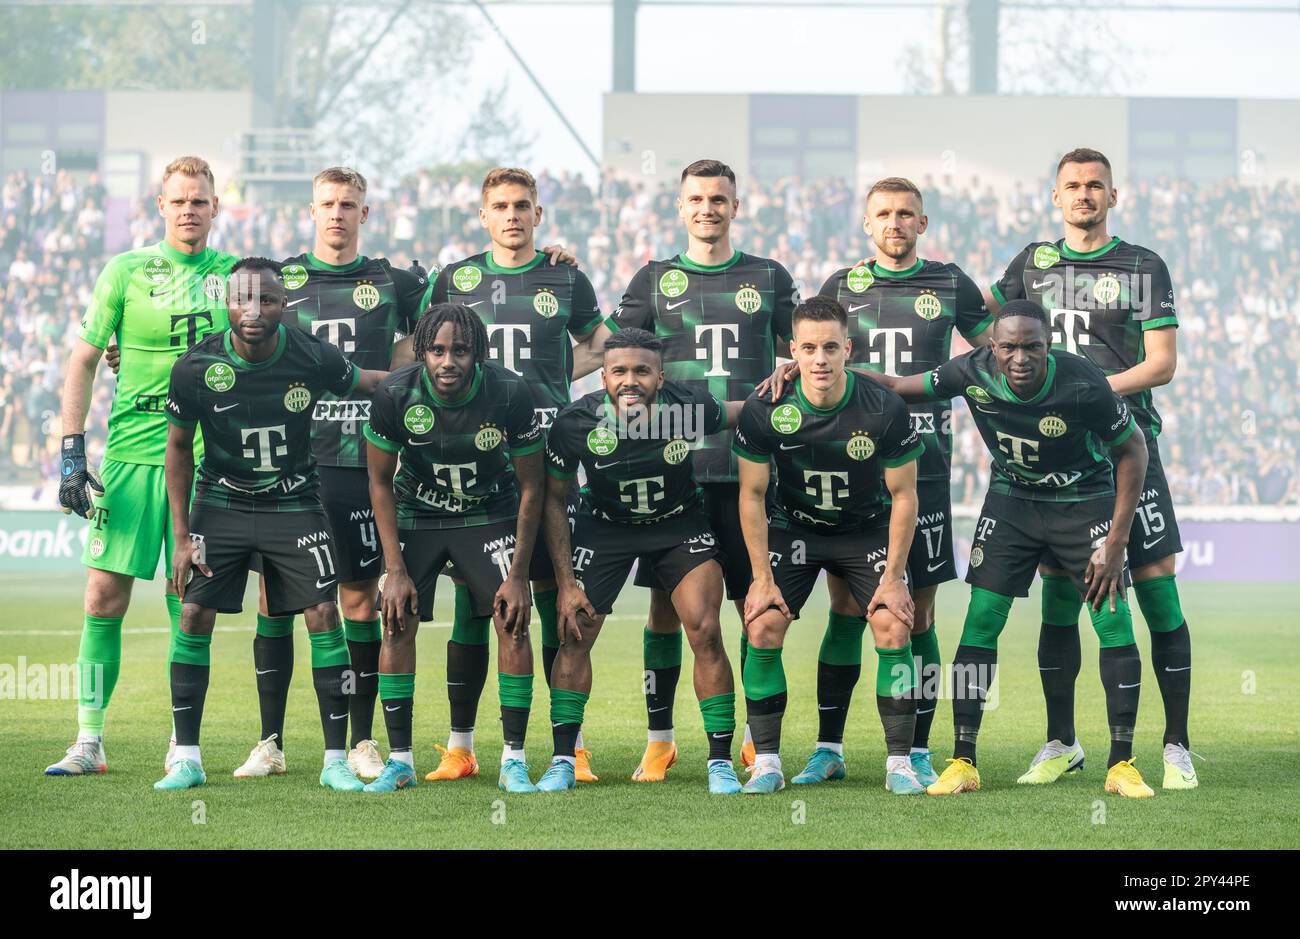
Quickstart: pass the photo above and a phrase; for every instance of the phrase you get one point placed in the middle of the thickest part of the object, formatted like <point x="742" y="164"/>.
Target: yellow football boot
<point x="1124" y="779"/>
<point x="457" y="763"/>
<point x="659" y="758"/>
<point x="960" y="776"/>
<point x="582" y="766"/>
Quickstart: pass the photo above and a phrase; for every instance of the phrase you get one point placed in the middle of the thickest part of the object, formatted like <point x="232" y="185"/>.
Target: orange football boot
<point x="457" y="763"/>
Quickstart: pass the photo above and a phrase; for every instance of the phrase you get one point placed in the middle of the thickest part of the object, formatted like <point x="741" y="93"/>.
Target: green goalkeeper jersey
<point x="158" y="303"/>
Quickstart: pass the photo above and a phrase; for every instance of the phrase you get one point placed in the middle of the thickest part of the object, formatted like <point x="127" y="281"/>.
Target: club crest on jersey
<point x="602" y="441"/>
<point x="976" y="556"/>
<point x="676" y="451"/>
<point x="96" y="547"/>
<point x="786" y="419"/>
<point x="927" y="306"/>
<point x="1045" y="256"/>
<point x="860" y="278"/>
<point x="546" y="303"/>
<point x="979" y="394"/>
<point x="297" y="399"/>
<point x="859" y="446"/>
<point x="418" y="419"/>
<point x="366" y="295"/>
<point x="466" y="278"/>
<point x="1052" y="426"/>
<point x="673" y="283"/>
<point x="489" y="437"/>
<point x="748" y="299"/>
<point x="158" y="270"/>
<point x="293" y="275"/>
<point x="1106" y="290"/>
<point x="219" y="377"/>
<point x="214" y="288"/>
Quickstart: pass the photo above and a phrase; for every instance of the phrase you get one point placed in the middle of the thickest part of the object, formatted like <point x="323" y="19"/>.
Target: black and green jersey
<point x="256" y="418"/>
<point x="637" y="468"/>
<point x="1048" y="448"/>
<point x="830" y="462"/>
<point x="362" y="308"/>
<point x="1100" y="303"/>
<point x="530" y="312"/>
<point x="157" y="303"/>
<point x="722" y="327"/>
<point x="455" y="455"/>
<point x="901" y="323"/>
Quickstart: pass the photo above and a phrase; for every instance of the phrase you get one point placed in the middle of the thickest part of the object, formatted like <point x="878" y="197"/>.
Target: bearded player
<point x="156" y="302"/>
<point x="721" y="315"/>
<point x="1112" y="302"/>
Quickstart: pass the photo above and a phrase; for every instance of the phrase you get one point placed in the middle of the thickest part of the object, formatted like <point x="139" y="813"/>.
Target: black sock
<point x="565" y="737"/>
<point x="973" y="669"/>
<point x="333" y="704"/>
<point x="397" y="720"/>
<point x="660" y="692"/>
<point x="898" y="717"/>
<point x="1171" y="656"/>
<point x="928" y="682"/>
<point x="835" y="685"/>
<point x="720" y="745"/>
<point x="467" y="668"/>
<point x="1121" y="677"/>
<point x="1058" y="669"/>
<point x="361" y="703"/>
<point x="189" y="691"/>
<point x="273" y="663"/>
<point x="548" y="661"/>
<point x="514" y="726"/>
<point x="765" y="722"/>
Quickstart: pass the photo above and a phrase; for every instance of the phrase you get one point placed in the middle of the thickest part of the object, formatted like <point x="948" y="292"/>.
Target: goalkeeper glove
<point x="76" y="480"/>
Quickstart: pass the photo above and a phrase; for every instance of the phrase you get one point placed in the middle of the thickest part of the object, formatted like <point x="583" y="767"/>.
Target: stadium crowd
<point x="1231" y="422"/>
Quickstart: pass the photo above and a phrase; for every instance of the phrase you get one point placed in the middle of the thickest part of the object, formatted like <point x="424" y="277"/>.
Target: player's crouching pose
<point x="1045" y="417"/>
<point x="251" y="389"/>
<point x="834" y="437"/>
<point x="633" y="439"/>
<point x="468" y="493"/>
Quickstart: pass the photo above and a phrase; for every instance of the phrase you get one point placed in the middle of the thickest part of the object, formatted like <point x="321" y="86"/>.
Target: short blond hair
<point x="190" y="166"/>
<point x="510" y="174"/>
<point x="896" y="184"/>
<point x="344" y="175"/>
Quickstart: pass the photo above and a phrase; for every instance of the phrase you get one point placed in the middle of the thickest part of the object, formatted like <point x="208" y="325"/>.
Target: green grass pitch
<point x="1245" y="722"/>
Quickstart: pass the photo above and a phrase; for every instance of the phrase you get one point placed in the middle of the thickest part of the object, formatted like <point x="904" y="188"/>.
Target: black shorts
<point x="603" y="553"/>
<point x="482" y="555"/>
<point x="1014" y="535"/>
<point x="1154" y="535"/>
<point x="722" y="509"/>
<point x="297" y="558"/>
<point x="345" y="491"/>
<point x="799" y="554"/>
<point x="540" y="566"/>
<point x="931" y="560"/>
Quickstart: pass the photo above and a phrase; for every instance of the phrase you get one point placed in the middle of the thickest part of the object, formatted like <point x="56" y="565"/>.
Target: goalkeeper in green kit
<point x="157" y="302"/>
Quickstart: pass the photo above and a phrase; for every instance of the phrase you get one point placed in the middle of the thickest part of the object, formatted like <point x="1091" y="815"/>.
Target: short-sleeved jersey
<point x="722" y="328"/>
<point x="455" y="467"/>
<point x="1048" y="448"/>
<point x="901" y="323"/>
<point x="830" y="462"/>
<point x="256" y="418"/>
<point x="638" y="469"/>
<point x="362" y="308"/>
<point x="159" y="303"/>
<point x="1100" y="303"/>
<point x="530" y="312"/>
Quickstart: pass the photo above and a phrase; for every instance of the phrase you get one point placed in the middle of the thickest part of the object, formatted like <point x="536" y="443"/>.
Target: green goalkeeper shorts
<point x="131" y="522"/>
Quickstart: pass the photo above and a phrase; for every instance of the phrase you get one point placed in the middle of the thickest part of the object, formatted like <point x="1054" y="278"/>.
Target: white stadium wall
<point x="168" y="124"/>
<point x="654" y="136"/>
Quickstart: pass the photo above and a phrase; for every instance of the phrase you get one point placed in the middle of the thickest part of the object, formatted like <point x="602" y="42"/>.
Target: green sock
<point x="328" y="648"/>
<point x="98" y="662"/>
<point x="842" y="641"/>
<point x="274" y="627"/>
<point x="515" y="691"/>
<point x="895" y="672"/>
<point x="763" y="675"/>
<point x="193" y="650"/>
<point x="567" y="707"/>
<point x="174" y="619"/>
<point x="466" y="628"/>
<point x="394" y="687"/>
<point x="361" y="630"/>
<point x="719" y="713"/>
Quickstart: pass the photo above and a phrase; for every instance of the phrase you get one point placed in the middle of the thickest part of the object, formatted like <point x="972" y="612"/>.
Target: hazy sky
<point x="801" y="48"/>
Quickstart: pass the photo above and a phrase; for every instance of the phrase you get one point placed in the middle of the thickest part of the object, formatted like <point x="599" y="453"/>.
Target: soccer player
<point x="641" y="503"/>
<point x="902" y="311"/>
<point x="1112" y="302"/>
<point x="721" y="315"/>
<point x="530" y="309"/>
<point x="251" y="389"/>
<point x="1045" y="416"/>
<point x="838" y="442"/>
<point x="468" y="493"/>
<point x="157" y="302"/>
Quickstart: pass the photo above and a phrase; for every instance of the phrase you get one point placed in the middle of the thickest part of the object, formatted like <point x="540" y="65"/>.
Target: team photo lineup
<point x="349" y="431"/>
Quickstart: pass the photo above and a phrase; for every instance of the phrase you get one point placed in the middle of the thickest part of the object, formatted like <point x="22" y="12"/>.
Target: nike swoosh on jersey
<point x="296" y="302"/>
<point x="1038" y="284"/>
<point x="418" y="443"/>
<point x="472" y="305"/>
<point x="368" y="561"/>
<point x="218" y="408"/>
<point x="673" y="306"/>
<point x="696" y="550"/>
<point x="795" y="447"/>
<point x="1148" y="545"/>
<point x="860" y="306"/>
<point x="604" y="465"/>
<point x="934" y="567"/>
<point x="321" y="584"/>
<point x="984" y="410"/>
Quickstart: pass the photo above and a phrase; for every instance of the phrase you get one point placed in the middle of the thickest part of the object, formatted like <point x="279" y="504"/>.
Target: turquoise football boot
<point x="764" y="781"/>
<point x="722" y="779"/>
<point x="558" y="777"/>
<point x="396" y="775"/>
<point x="923" y="769"/>
<point x="338" y="775"/>
<point x="824" y="765"/>
<point x="184" y="774"/>
<point x="514" y="777"/>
